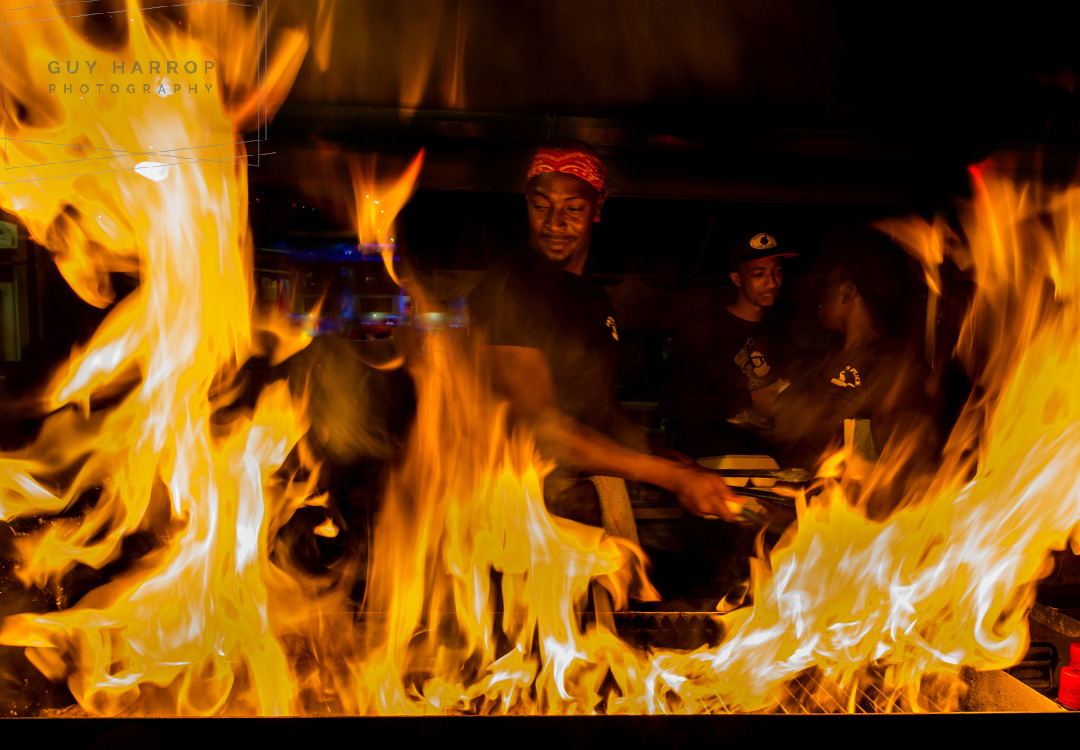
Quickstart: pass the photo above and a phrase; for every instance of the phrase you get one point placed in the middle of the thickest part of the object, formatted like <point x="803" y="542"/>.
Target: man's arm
<point x="625" y="432"/>
<point x="630" y="435"/>
<point x="521" y="374"/>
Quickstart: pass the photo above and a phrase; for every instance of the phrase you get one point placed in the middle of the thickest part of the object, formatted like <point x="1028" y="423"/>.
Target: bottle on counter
<point x="1069" y="689"/>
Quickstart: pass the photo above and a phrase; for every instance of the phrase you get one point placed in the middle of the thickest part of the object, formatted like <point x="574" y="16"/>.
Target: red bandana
<point x="577" y="163"/>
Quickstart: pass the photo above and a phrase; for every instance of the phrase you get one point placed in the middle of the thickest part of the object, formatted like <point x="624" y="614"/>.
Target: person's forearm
<point x="523" y="376"/>
<point x="586" y="449"/>
<point x="626" y="432"/>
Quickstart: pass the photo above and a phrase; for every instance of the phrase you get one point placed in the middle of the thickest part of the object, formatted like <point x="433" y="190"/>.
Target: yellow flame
<point x="467" y="502"/>
<point x="327" y="529"/>
<point x="184" y="629"/>
<point x="377" y="205"/>
<point x="948" y="580"/>
<point x="880" y="612"/>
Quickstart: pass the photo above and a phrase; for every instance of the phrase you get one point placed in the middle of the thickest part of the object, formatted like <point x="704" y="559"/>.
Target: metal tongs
<point x="780" y="475"/>
<point x="794" y="476"/>
<point x="773" y="497"/>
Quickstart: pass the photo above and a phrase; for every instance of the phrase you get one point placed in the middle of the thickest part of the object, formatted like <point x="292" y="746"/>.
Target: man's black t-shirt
<point x="718" y="361"/>
<point x="886" y="382"/>
<point x="526" y="300"/>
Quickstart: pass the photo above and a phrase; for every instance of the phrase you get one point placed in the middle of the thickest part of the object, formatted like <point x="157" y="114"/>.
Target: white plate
<point x="742" y="462"/>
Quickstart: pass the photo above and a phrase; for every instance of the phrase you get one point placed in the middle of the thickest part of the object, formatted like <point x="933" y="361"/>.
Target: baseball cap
<point x="755" y="246"/>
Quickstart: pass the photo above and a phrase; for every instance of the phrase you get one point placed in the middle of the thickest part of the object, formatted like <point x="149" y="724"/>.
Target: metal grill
<point x="814" y="693"/>
<point x="1038" y="667"/>
<point x="681" y="630"/>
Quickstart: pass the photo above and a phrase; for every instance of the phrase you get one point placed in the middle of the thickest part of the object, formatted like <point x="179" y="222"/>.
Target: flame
<point x="184" y="628"/>
<point x="465" y="504"/>
<point x="327" y="529"/>
<point x="377" y="205"/>
<point x="871" y="615"/>
<point x="947" y="581"/>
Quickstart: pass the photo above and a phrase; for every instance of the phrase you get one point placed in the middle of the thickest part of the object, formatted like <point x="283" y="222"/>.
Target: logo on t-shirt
<point x="614" y="330"/>
<point x="752" y="362"/>
<point x="848" y="378"/>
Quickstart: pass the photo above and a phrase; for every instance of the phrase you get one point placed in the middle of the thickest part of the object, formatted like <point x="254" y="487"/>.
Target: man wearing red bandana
<point x="553" y="342"/>
<point x="565" y="190"/>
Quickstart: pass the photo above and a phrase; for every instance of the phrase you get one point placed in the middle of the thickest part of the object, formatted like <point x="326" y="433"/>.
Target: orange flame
<point x="947" y="581"/>
<point x="467" y="502"/>
<point x="377" y="205"/>
<point x="158" y="189"/>
<point x="464" y="526"/>
<point x="944" y="582"/>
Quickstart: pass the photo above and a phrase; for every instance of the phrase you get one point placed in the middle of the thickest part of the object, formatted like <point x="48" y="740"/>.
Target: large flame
<point x="156" y="188"/>
<point x="875" y="615"/>
<point x="947" y="581"/>
<point x="476" y="595"/>
<point x="475" y="591"/>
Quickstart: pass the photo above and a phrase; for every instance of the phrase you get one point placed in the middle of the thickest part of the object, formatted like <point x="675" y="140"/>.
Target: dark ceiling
<point x="776" y="100"/>
<point x="943" y="68"/>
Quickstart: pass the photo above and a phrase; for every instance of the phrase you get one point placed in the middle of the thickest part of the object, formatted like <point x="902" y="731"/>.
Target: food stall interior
<point x="806" y="118"/>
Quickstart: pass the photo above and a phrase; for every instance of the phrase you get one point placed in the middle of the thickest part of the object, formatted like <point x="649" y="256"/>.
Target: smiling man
<point x="729" y="364"/>
<point x="552" y="341"/>
<point x="562" y="209"/>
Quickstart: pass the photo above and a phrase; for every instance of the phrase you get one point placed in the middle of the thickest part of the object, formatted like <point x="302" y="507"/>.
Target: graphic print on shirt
<point x="614" y="329"/>
<point x="848" y="378"/>
<point x="753" y="364"/>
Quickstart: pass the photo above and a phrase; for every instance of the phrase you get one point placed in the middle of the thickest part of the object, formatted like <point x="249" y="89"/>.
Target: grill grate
<point x="1037" y="668"/>
<point x="868" y="693"/>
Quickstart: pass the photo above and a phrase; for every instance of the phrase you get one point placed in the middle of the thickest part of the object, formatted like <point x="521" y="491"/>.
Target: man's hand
<point x="704" y="493"/>
<point x="521" y="374"/>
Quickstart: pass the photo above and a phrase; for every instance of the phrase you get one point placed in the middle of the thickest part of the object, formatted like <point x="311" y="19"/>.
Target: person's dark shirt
<point x="719" y="359"/>
<point x="887" y="383"/>
<point x="526" y="300"/>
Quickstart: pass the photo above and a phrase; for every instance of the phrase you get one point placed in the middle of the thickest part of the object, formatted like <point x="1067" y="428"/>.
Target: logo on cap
<point x="762" y="241"/>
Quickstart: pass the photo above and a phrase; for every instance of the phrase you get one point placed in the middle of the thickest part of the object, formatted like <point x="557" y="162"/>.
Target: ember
<point x="476" y="596"/>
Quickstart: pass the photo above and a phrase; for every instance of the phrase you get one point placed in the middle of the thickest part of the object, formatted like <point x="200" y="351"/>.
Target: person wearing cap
<point x="552" y="339"/>
<point x="730" y="362"/>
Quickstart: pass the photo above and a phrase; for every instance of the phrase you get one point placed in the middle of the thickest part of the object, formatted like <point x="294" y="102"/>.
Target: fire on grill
<point x="185" y="510"/>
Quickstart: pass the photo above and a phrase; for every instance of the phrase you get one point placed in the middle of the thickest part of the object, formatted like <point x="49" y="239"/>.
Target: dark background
<point x="800" y="117"/>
